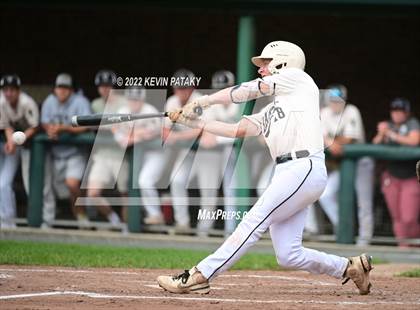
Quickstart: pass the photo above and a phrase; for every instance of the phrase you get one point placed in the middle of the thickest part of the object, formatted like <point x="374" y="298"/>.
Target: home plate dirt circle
<point x="62" y="288"/>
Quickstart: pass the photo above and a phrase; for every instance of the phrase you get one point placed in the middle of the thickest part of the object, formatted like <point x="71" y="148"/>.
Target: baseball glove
<point x="418" y="170"/>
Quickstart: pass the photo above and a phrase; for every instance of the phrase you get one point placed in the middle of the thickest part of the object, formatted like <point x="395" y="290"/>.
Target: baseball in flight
<point x="19" y="137"/>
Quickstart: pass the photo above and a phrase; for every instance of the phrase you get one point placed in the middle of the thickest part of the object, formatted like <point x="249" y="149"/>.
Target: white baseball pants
<point x="229" y="186"/>
<point x="8" y="166"/>
<point x="205" y="164"/>
<point x="151" y="171"/>
<point x="48" y="210"/>
<point x="282" y="208"/>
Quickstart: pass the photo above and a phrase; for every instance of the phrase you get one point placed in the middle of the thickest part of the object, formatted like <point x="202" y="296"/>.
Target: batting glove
<point x="195" y="108"/>
<point x="177" y="116"/>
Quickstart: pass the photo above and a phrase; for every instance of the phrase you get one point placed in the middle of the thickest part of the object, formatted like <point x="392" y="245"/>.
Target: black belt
<point x="286" y="157"/>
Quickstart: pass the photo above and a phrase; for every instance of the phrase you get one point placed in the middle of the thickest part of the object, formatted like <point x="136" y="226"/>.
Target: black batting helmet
<point x="105" y="78"/>
<point x="183" y="76"/>
<point x="10" y="80"/>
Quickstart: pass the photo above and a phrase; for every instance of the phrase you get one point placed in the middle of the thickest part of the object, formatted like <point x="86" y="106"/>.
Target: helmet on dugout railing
<point x="282" y="54"/>
<point x="222" y="79"/>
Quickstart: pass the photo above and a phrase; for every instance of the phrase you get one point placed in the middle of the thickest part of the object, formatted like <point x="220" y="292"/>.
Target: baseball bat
<point x="107" y="119"/>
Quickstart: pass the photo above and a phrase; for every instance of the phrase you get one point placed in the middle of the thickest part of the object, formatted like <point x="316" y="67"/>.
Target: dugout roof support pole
<point x="245" y="72"/>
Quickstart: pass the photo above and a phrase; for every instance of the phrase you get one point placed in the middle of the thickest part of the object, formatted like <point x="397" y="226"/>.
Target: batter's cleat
<point x="191" y="281"/>
<point x="358" y="270"/>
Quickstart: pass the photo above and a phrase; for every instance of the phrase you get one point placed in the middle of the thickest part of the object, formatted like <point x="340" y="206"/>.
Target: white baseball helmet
<point x="282" y="54"/>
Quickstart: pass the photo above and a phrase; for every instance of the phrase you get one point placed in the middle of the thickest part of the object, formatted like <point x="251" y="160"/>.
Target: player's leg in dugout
<point x="8" y="166"/>
<point x="179" y="181"/>
<point x="328" y="199"/>
<point x="409" y="205"/>
<point x="48" y="213"/>
<point x="150" y="173"/>
<point x="102" y="175"/>
<point x="229" y="186"/>
<point x="364" y="186"/>
<point x="206" y="163"/>
<point x="121" y="175"/>
<point x="294" y="186"/>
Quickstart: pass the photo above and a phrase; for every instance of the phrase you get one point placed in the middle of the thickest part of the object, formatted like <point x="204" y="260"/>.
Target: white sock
<point x="114" y="219"/>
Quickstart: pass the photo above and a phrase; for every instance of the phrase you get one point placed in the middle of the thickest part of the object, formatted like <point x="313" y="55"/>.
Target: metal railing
<point x="351" y="153"/>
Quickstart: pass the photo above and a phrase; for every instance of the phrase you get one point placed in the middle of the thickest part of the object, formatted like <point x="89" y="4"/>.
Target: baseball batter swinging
<point x="291" y="127"/>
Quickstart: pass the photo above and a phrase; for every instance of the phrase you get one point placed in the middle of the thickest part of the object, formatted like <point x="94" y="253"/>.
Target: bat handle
<point x="197" y="110"/>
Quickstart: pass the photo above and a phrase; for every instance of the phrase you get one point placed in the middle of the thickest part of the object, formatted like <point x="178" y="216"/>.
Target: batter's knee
<point x="290" y="258"/>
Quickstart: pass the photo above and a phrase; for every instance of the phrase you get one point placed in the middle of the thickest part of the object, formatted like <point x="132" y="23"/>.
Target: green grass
<point x="413" y="273"/>
<point x="75" y="255"/>
<point x="377" y="261"/>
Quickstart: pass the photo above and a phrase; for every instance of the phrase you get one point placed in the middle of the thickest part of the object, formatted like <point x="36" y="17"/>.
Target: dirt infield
<point x="69" y="288"/>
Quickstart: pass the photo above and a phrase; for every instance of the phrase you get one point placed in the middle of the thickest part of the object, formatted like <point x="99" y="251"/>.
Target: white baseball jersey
<point x="152" y="124"/>
<point x="346" y="124"/>
<point x="291" y="122"/>
<point x="26" y="114"/>
<point x="113" y="104"/>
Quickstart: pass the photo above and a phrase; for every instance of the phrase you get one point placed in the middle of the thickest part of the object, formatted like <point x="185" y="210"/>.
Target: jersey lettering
<point x="273" y="115"/>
